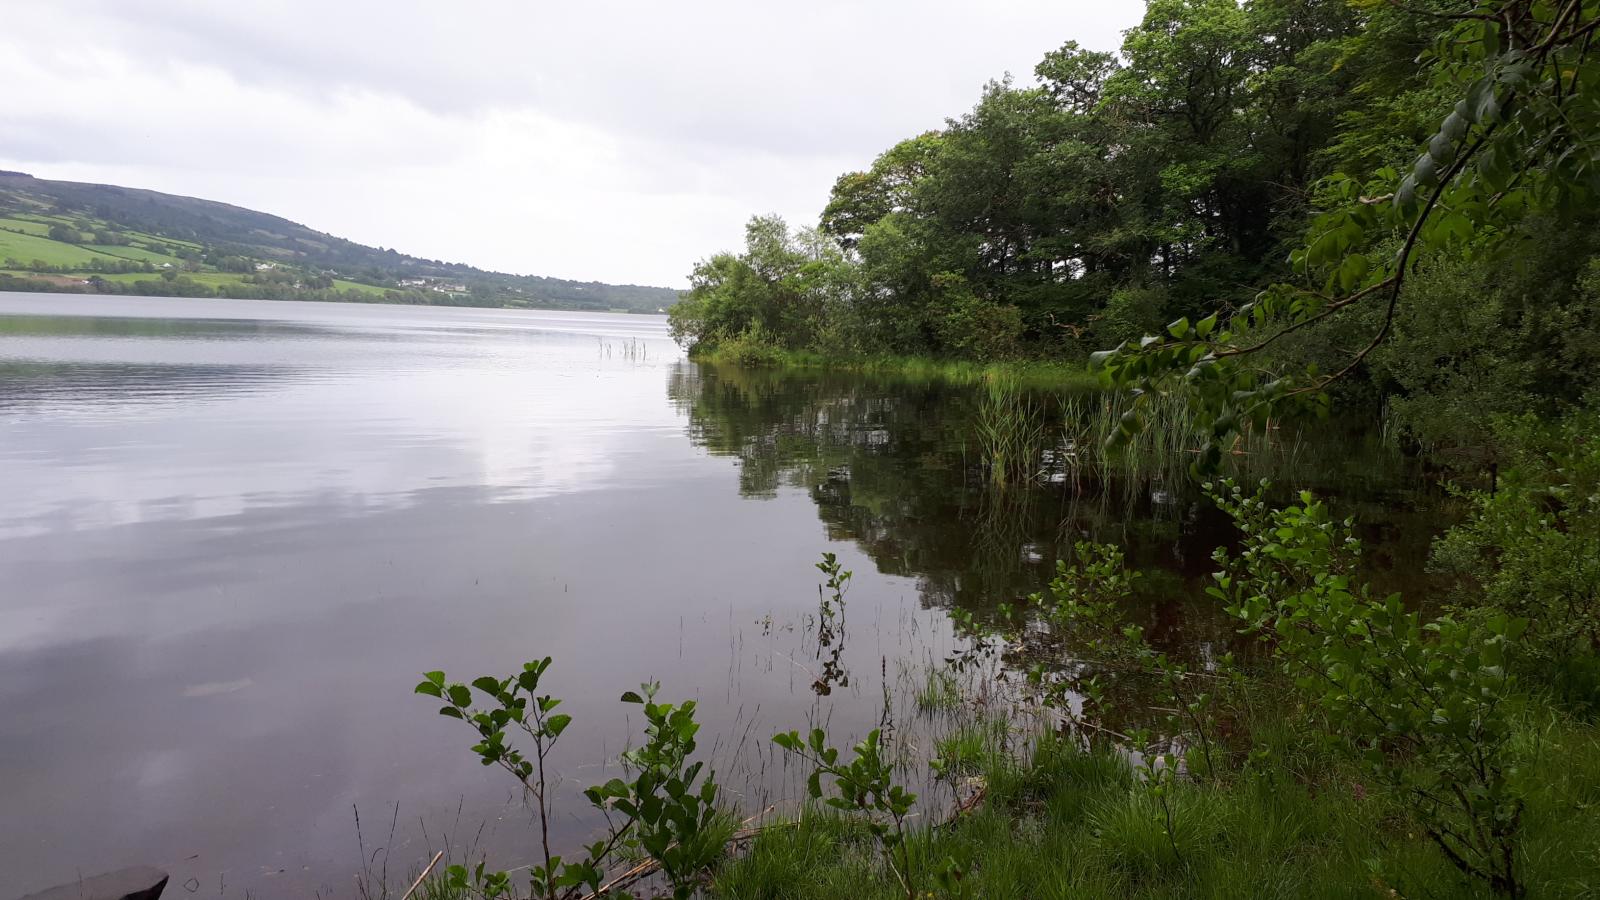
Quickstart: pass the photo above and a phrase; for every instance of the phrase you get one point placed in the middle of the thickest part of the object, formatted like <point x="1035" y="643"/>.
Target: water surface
<point x="234" y="533"/>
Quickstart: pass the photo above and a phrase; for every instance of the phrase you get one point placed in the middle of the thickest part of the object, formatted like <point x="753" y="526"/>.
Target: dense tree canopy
<point x="1231" y="157"/>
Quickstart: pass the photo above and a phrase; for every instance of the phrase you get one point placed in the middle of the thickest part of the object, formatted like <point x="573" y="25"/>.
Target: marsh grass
<point x="971" y="748"/>
<point x="1011" y="431"/>
<point x="1061" y="819"/>
<point x="939" y="692"/>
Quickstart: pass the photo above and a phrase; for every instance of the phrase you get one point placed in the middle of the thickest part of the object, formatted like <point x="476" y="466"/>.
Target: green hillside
<point x="72" y="236"/>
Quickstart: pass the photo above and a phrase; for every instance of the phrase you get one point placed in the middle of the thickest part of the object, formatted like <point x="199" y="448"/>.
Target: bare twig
<point x="420" y="878"/>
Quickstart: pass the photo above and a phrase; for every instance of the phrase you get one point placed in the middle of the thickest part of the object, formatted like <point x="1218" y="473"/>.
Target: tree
<point x="1522" y="137"/>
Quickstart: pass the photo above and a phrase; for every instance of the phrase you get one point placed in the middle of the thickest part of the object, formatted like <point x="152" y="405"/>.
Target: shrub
<point x="1425" y="702"/>
<point x="1531" y="549"/>
<point x="662" y="810"/>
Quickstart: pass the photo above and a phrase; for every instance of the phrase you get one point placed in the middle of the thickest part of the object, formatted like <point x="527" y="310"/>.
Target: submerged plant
<point x="830" y="625"/>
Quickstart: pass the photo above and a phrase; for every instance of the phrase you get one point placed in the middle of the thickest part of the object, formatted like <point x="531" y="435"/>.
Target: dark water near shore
<point x="233" y="533"/>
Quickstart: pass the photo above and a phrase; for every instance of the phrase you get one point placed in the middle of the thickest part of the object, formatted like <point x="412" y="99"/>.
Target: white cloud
<point x="612" y="140"/>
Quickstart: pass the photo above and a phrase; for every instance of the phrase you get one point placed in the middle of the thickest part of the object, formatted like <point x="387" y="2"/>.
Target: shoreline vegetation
<point x="1039" y="374"/>
<point x="1251" y="212"/>
<point x="1344" y="746"/>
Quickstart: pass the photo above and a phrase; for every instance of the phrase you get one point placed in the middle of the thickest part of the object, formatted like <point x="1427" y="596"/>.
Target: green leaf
<point x="1426" y="171"/>
<point x="490" y="686"/>
<point x="429" y="688"/>
<point x="459" y="695"/>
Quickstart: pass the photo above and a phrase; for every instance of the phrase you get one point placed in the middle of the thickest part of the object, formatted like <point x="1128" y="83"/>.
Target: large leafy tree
<point x="1522" y="138"/>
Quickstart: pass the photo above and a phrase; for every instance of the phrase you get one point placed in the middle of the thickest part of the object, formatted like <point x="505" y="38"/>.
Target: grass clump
<point x="939" y="692"/>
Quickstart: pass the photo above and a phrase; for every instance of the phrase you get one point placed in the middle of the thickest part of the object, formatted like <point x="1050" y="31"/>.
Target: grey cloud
<point x="524" y="135"/>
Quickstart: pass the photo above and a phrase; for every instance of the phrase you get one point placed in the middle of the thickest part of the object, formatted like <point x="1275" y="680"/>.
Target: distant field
<point x="27" y="248"/>
<point x="214" y="279"/>
<point x="209" y="279"/>
<point x="47" y="219"/>
<point x="27" y="225"/>
<point x="135" y="253"/>
<point x="343" y="285"/>
<point x="157" y="239"/>
<point x="120" y="277"/>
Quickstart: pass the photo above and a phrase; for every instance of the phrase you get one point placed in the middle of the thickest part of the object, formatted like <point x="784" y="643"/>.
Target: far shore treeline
<point x="65" y="236"/>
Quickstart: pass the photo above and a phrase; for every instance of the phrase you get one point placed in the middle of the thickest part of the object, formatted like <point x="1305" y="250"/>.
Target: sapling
<point x="864" y="785"/>
<point x="662" y="809"/>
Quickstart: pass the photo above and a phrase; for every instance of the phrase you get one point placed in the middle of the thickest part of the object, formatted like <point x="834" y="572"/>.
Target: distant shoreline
<point x="154" y="288"/>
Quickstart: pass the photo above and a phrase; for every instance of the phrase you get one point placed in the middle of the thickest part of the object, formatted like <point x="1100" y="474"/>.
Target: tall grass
<point x="1011" y="431"/>
<point x="1170" y="442"/>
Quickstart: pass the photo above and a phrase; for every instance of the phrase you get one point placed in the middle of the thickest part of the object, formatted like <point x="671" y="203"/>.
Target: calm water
<point x="233" y="533"/>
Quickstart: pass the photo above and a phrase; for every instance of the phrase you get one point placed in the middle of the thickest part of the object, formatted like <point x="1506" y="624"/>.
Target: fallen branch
<point x="423" y="876"/>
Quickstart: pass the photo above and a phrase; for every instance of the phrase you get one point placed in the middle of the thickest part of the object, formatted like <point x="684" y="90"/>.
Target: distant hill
<point x="67" y="235"/>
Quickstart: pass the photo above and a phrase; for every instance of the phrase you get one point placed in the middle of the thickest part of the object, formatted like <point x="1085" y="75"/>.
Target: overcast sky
<point x="591" y="139"/>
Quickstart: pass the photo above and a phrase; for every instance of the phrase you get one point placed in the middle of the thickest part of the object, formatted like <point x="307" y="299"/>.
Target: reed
<point x="1011" y="431"/>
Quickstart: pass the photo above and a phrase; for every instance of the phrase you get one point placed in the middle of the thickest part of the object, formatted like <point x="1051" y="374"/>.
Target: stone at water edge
<point x="137" y="883"/>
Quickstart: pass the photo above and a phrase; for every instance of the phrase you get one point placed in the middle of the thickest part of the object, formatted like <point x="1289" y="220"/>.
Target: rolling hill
<point x="75" y="236"/>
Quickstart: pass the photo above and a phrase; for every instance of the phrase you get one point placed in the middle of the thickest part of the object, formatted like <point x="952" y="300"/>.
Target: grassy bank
<point x="1073" y="823"/>
<point x="1300" y="819"/>
<point x="1028" y="373"/>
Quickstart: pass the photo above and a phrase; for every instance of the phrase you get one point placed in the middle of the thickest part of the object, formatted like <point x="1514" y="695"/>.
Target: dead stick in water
<point x="414" y="884"/>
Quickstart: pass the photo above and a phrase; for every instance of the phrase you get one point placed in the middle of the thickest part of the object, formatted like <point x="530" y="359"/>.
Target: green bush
<point x="1531" y="548"/>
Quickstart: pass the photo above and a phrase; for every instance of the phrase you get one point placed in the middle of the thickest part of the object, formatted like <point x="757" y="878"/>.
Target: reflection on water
<point x="898" y="468"/>
<point x="234" y="532"/>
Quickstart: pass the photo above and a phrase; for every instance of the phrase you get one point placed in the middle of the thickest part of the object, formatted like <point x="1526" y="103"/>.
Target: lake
<point x="234" y="533"/>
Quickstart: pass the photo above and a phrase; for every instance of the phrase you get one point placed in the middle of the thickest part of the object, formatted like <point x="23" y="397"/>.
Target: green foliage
<point x="1115" y="192"/>
<point x="865" y="786"/>
<point x="1522" y="137"/>
<point x="677" y="821"/>
<point x="1531" y="549"/>
<point x="661" y="810"/>
<point x="779" y="292"/>
<point x="1426" y="701"/>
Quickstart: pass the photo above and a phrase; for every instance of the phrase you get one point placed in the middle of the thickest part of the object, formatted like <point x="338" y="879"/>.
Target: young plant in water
<point x="830" y="624"/>
<point x="661" y="809"/>
<point x="1011" y="431"/>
